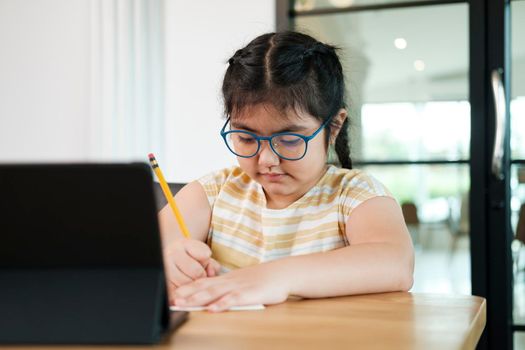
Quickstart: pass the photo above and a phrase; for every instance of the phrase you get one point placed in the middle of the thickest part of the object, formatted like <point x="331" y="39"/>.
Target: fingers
<point x="182" y="264"/>
<point x="174" y="279"/>
<point x="213" y="268"/>
<point x="201" y="297"/>
<point x="178" y="277"/>
<point x="189" y="266"/>
<point x="189" y="289"/>
<point x="228" y="300"/>
<point x="217" y="293"/>
<point x="210" y="271"/>
<point x="198" y="251"/>
<point x="171" y="292"/>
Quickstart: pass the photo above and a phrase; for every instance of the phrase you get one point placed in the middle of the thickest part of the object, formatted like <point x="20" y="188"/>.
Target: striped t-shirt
<point x="244" y="232"/>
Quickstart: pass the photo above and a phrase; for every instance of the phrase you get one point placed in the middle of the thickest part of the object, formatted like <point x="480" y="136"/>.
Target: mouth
<point x="272" y="177"/>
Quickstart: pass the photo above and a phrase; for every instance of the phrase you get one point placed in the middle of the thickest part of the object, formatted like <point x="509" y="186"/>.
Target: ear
<point x="336" y="124"/>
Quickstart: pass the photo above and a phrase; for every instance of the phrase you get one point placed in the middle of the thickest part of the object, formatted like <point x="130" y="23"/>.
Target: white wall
<point x="47" y="112"/>
<point x="43" y="80"/>
<point x="200" y="37"/>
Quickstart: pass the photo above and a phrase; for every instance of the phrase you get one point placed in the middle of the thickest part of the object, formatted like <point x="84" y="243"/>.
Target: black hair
<point x="289" y="70"/>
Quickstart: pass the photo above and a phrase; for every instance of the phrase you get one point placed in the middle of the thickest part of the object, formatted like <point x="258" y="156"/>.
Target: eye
<point x="244" y="138"/>
<point x="288" y="141"/>
<point x="291" y="142"/>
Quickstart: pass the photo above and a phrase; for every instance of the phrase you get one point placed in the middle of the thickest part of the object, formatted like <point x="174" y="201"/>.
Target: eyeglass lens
<point x="286" y="146"/>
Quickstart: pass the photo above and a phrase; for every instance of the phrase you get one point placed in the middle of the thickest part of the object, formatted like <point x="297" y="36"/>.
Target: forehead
<point x="268" y="117"/>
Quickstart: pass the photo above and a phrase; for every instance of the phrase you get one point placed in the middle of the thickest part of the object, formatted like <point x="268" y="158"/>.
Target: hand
<point x="187" y="260"/>
<point x="259" y="284"/>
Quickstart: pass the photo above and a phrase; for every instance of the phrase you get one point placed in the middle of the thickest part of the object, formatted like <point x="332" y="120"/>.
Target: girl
<point x="284" y="222"/>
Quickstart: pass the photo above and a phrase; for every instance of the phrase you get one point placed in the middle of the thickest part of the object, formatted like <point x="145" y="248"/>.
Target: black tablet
<point x="80" y="256"/>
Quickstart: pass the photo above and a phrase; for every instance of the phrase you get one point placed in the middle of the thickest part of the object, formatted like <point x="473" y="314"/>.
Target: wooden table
<point x="377" y="321"/>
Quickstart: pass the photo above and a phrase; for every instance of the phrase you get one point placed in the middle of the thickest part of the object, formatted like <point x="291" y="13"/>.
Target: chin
<point x="278" y="189"/>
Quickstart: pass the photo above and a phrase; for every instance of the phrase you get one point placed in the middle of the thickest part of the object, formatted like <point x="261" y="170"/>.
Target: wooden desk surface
<point x="377" y="321"/>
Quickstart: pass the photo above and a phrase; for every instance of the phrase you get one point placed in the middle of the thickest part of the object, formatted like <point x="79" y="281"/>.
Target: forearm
<point x="359" y="269"/>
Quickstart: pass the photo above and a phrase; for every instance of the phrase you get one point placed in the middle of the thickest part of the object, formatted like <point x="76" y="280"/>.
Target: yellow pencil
<point x="168" y="195"/>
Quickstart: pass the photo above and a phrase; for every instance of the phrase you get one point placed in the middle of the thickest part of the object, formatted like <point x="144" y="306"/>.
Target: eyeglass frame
<point x="306" y="139"/>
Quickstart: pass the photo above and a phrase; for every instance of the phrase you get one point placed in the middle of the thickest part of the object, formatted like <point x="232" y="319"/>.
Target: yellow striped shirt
<point x="244" y="232"/>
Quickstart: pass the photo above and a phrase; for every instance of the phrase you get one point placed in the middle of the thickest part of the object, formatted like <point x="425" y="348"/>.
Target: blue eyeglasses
<point x="287" y="145"/>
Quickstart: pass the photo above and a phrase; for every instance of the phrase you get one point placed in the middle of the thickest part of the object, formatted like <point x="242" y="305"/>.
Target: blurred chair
<point x="520" y="234"/>
<point x="460" y="227"/>
<point x="160" y="199"/>
<point x="520" y="172"/>
<point x="409" y="210"/>
<point x="520" y="228"/>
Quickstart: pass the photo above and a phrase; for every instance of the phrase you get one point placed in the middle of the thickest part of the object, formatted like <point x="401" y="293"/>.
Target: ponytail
<point x="341" y="146"/>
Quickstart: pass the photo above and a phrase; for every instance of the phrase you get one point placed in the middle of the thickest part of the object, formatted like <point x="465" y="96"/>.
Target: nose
<point x="267" y="157"/>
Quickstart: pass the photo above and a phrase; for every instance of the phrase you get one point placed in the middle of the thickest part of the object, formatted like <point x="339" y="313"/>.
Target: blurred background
<point x="113" y="80"/>
<point x="408" y="69"/>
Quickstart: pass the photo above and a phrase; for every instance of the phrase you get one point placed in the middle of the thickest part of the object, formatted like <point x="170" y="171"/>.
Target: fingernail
<point x="179" y="301"/>
<point x="213" y="307"/>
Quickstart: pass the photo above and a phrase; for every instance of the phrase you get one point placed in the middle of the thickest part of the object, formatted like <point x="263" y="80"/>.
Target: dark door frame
<point x="490" y="234"/>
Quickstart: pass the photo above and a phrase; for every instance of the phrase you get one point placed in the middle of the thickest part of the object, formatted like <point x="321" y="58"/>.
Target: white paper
<point x="204" y="308"/>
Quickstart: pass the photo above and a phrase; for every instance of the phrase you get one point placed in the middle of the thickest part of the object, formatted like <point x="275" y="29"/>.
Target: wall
<point x="43" y="80"/>
<point x="48" y="104"/>
<point x="200" y="37"/>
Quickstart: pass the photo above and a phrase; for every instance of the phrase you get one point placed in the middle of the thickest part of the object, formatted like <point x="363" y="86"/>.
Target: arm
<point x="186" y="260"/>
<point x="379" y="259"/>
<point x="195" y="209"/>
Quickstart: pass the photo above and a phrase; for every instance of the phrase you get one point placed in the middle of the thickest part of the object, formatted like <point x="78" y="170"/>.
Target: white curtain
<point x="127" y="79"/>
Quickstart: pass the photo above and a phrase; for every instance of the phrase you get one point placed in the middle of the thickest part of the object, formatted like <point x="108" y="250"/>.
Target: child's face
<point x="284" y="181"/>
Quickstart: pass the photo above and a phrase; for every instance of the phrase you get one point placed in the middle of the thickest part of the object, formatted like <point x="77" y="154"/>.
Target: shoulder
<point x="354" y="187"/>
<point x="353" y="182"/>
<point x="223" y="176"/>
<point x="215" y="182"/>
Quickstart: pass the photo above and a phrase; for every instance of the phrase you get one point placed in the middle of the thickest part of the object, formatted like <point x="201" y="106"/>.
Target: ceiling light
<point x="419" y="65"/>
<point x="400" y="43"/>
<point x="304" y="5"/>
<point x="342" y="3"/>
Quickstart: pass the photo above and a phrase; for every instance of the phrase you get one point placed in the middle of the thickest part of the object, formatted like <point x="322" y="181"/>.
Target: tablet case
<point x="80" y="255"/>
